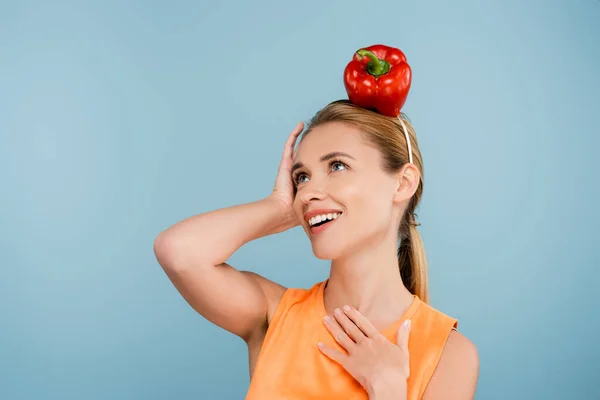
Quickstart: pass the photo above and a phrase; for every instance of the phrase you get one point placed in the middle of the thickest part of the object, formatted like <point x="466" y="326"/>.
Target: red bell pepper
<point x="378" y="78"/>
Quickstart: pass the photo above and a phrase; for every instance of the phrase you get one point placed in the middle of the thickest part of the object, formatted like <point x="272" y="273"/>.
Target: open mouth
<point x="321" y="223"/>
<point x="324" y="219"/>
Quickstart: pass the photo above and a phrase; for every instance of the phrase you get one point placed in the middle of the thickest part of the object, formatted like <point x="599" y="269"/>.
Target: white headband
<point x="410" y="158"/>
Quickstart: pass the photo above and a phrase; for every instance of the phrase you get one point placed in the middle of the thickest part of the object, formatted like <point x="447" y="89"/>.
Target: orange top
<point x="291" y="366"/>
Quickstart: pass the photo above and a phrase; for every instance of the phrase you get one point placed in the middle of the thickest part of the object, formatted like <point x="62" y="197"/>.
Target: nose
<point x="312" y="191"/>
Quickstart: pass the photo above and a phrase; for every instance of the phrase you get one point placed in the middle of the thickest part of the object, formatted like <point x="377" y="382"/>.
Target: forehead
<point x="330" y="137"/>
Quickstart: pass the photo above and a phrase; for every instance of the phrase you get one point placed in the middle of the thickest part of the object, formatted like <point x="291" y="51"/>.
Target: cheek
<point x="364" y="194"/>
<point x="368" y="201"/>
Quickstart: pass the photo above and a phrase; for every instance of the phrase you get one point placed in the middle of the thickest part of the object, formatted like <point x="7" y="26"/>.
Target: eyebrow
<point x="326" y="157"/>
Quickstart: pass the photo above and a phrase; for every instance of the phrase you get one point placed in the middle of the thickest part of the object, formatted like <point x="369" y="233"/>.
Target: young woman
<point x="353" y="185"/>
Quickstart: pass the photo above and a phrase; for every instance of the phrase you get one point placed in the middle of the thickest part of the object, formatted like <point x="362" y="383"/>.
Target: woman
<point x="353" y="184"/>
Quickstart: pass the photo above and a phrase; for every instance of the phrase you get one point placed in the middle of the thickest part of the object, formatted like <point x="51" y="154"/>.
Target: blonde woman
<point x="367" y="331"/>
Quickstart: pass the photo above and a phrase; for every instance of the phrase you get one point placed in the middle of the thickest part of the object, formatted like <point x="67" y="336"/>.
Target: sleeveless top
<point x="291" y="366"/>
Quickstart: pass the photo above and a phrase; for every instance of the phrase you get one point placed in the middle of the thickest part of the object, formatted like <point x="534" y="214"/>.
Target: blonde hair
<point x="387" y="134"/>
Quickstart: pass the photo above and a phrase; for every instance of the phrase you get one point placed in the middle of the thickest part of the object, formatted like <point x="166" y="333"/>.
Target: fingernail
<point x="407" y="324"/>
<point x="320" y="344"/>
<point x="346" y="308"/>
<point x="326" y="318"/>
<point x="338" y="311"/>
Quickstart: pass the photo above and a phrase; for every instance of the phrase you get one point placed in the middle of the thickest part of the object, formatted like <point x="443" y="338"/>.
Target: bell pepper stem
<point x="375" y="66"/>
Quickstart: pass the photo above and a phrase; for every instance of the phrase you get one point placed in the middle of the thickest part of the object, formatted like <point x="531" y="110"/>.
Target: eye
<point x="337" y="163"/>
<point x="334" y="165"/>
<point x="298" y="178"/>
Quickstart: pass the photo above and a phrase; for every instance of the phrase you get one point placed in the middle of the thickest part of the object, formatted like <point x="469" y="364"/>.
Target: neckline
<point x="391" y="329"/>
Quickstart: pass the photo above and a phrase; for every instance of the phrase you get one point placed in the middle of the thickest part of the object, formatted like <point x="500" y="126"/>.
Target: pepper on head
<point x="378" y="78"/>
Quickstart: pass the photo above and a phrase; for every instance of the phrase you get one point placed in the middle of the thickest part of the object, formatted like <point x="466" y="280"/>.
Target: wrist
<point x="386" y="389"/>
<point x="282" y="215"/>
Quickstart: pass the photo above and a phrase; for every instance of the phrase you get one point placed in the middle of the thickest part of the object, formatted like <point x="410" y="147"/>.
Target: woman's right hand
<point x="283" y="191"/>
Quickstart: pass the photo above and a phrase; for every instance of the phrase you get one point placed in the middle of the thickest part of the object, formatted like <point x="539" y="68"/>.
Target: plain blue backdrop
<point x="117" y="120"/>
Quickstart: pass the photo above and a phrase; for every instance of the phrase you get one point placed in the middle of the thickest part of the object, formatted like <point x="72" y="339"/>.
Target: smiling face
<point x="339" y="175"/>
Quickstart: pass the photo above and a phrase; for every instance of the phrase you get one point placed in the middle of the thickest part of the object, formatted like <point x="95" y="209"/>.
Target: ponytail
<point x="412" y="260"/>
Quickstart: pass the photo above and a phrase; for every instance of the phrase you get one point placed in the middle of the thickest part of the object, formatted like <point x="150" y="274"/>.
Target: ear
<point x="407" y="180"/>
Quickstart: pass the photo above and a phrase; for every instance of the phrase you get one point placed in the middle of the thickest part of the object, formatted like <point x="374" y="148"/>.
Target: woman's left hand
<point x="380" y="366"/>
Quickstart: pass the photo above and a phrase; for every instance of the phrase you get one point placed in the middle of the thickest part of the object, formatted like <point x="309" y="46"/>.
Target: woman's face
<point x="339" y="177"/>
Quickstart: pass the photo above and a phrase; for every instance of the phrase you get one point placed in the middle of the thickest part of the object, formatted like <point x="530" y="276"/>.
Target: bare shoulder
<point x="457" y="372"/>
<point x="272" y="291"/>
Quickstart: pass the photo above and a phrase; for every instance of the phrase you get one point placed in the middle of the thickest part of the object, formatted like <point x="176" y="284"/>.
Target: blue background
<point x="117" y="120"/>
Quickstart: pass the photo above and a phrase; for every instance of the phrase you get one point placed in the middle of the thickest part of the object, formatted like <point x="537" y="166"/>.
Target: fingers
<point x="361" y="322"/>
<point x="348" y="326"/>
<point x="403" y="333"/>
<point x="289" y="144"/>
<point x="402" y="341"/>
<point x="332" y="353"/>
<point x="283" y="182"/>
<point x="338" y="333"/>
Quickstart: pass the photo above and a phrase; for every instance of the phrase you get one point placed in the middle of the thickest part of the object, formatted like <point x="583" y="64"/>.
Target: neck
<point x="370" y="281"/>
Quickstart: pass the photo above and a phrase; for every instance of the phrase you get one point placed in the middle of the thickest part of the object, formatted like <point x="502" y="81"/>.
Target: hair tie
<point x="412" y="220"/>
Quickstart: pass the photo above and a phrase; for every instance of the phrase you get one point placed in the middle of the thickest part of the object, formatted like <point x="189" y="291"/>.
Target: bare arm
<point x="457" y="372"/>
<point x="193" y="254"/>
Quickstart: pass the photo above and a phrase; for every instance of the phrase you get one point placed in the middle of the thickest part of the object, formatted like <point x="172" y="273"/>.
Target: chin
<point x="326" y="251"/>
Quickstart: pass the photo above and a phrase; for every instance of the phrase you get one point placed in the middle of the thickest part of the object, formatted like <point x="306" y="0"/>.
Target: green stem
<point x="375" y="66"/>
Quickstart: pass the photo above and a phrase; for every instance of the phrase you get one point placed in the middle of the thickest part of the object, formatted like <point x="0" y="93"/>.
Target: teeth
<point x="320" y="218"/>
